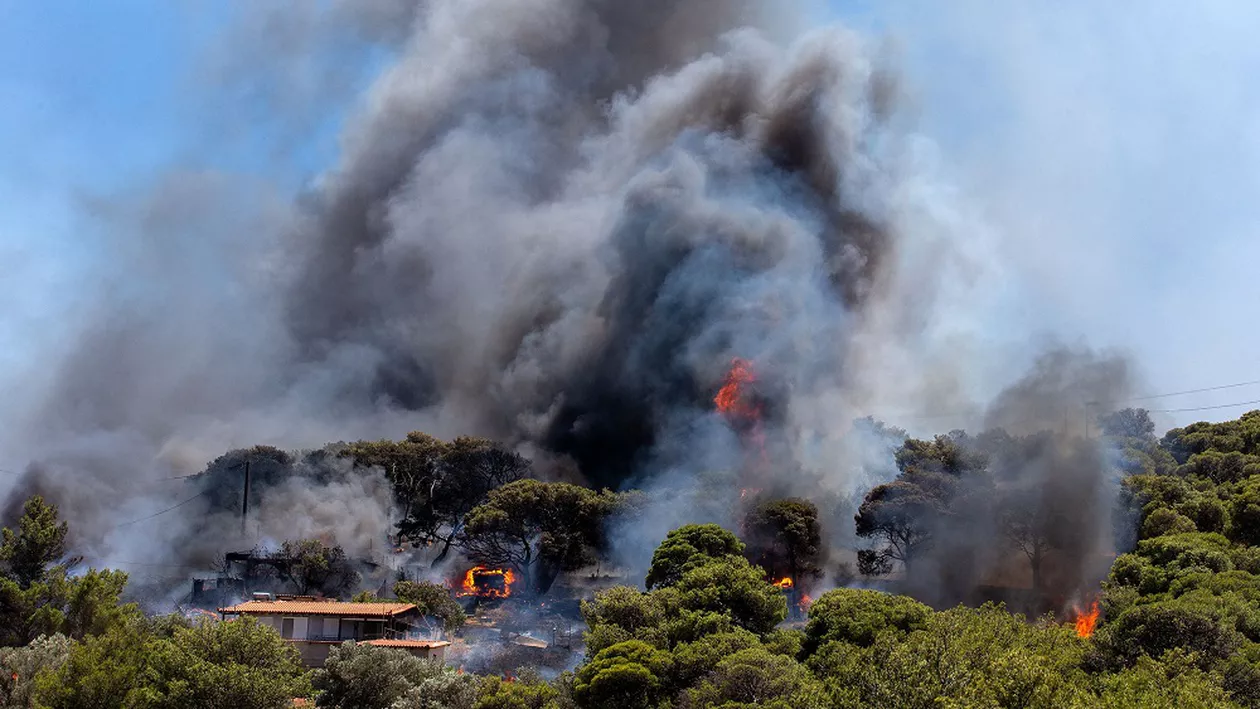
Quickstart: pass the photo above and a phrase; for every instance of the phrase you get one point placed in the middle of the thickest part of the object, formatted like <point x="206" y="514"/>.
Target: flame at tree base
<point x="1086" y="621"/>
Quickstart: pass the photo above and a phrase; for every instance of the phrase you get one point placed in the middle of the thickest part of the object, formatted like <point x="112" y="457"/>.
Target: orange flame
<point x="1085" y="622"/>
<point x="471" y="587"/>
<point x="733" y="399"/>
<point x="785" y="582"/>
<point x="805" y="602"/>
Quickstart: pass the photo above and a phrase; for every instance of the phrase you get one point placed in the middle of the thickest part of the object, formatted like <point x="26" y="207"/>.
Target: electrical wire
<point x="162" y="512"/>
<point x="1206" y="408"/>
<point x="1180" y="393"/>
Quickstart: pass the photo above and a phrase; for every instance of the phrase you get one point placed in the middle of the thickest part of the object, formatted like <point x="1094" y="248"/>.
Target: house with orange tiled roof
<point x="314" y="626"/>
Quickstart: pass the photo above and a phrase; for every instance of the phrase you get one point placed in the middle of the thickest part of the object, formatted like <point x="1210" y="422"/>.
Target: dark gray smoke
<point x="552" y="222"/>
<point x="1022" y="511"/>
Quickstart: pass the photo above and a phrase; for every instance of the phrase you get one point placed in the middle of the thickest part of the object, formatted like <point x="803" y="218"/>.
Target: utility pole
<point x="245" y="501"/>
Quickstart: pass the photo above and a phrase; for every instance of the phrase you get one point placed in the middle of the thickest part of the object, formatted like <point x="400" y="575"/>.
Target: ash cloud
<point x="552" y="222"/>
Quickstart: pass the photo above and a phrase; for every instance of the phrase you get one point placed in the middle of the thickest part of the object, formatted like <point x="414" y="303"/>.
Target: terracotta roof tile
<point x="333" y="608"/>
<point x="407" y="643"/>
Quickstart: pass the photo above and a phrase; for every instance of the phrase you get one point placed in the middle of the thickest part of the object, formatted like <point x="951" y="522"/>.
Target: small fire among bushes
<point x="1086" y="620"/>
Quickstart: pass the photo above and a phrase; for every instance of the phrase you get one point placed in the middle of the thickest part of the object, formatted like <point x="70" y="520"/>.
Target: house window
<point x="286" y="629"/>
<point x="348" y="630"/>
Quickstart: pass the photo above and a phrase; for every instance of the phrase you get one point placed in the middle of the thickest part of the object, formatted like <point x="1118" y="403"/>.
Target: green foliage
<point x="1172" y="682"/>
<point x="695" y="659"/>
<point x="962" y="657"/>
<point x="1153" y="629"/>
<point x="313" y="567"/>
<point x="622" y="613"/>
<point x="687" y="547"/>
<point x="733" y="587"/>
<point x="756" y="677"/>
<point x="434" y="600"/>
<point x="1127" y="423"/>
<point x="786" y="538"/>
<point x="357" y="676"/>
<point x="496" y="693"/>
<point x="38" y="541"/>
<point x="1239" y="436"/>
<point x="539" y="528"/>
<point x="102" y="671"/>
<point x="234" y="665"/>
<point x="858" y="617"/>
<point x="216" y="665"/>
<point x="630" y="674"/>
<point x="1245" y="513"/>
<point x="20" y="666"/>
<point x="1166" y="521"/>
<point x="76" y="606"/>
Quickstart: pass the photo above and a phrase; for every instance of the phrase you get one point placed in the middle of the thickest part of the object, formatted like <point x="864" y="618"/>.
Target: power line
<point x="168" y="509"/>
<point x="1206" y="408"/>
<point x="1147" y="397"/>
<point x="1180" y="393"/>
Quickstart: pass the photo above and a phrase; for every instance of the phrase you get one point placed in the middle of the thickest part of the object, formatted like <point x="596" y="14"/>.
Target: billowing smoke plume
<point x="552" y="222"/>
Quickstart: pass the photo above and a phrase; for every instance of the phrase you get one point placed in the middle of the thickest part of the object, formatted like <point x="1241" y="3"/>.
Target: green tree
<point x="760" y="678"/>
<point x="76" y="606"/>
<point x="734" y="588"/>
<point x="786" y="538"/>
<point x="358" y="676"/>
<point x="102" y="671"/>
<point x="961" y="657"/>
<point x="432" y="600"/>
<point x="902" y="516"/>
<point x="623" y="613"/>
<point x="239" y="664"/>
<point x="1245" y="513"/>
<point x="858" y="617"/>
<point x="631" y="674"/>
<point x="687" y="547"/>
<point x="1154" y="629"/>
<point x="413" y="467"/>
<point x="539" y="529"/>
<point x="1127" y="423"/>
<point x="1171" y="682"/>
<point x="19" y="666"/>
<point x="313" y="567"/>
<point x="38" y="541"/>
<point x="524" y="693"/>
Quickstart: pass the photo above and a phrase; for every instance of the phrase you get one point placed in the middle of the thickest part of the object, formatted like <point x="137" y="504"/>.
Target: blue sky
<point x="1115" y="145"/>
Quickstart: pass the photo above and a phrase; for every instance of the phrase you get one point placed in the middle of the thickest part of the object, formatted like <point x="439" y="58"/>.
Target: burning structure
<point x="481" y="582"/>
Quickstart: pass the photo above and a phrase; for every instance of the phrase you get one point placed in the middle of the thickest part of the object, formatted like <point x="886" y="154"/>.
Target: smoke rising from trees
<point x="551" y="222"/>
